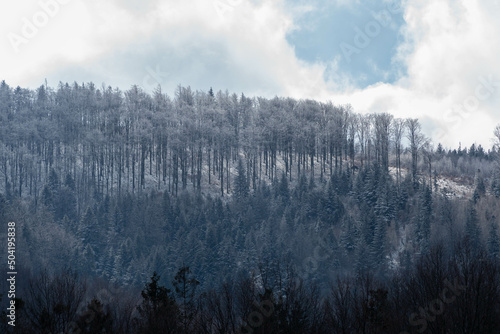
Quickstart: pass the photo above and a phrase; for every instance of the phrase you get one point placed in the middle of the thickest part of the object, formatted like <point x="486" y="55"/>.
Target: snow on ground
<point x="451" y="187"/>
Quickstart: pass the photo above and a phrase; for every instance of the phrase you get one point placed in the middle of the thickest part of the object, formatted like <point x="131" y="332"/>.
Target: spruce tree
<point x="241" y="187"/>
<point x="495" y="185"/>
<point x="158" y="310"/>
<point x="378" y="247"/>
<point x="480" y="185"/>
<point x="493" y="240"/>
<point x="48" y="198"/>
<point x="331" y="209"/>
<point x="472" y="230"/>
<point x="88" y="226"/>
<point x="362" y="259"/>
<point x="424" y="219"/>
<point x="53" y="181"/>
<point x="283" y="189"/>
<point x="349" y="235"/>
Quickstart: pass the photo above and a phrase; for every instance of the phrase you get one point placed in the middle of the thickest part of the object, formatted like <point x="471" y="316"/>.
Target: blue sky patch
<point x="362" y="36"/>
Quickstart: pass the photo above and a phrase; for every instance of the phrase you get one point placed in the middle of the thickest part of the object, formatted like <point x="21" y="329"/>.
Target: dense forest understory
<point x="236" y="214"/>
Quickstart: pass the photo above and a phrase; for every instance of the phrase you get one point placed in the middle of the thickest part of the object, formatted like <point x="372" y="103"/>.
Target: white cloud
<point x="116" y="37"/>
<point x="241" y="45"/>
<point x="451" y="48"/>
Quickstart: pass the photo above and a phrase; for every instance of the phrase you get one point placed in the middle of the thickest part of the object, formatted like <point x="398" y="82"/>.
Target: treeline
<point x="113" y="142"/>
<point x="450" y="290"/>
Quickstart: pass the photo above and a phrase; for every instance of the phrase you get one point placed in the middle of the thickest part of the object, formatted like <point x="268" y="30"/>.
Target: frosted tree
<point x="417" y="139"/>
<point x="493" y="239"/>
<point x="241" y="187"/>
<point x="472" y="229"/>
<point x="424" y="219"/>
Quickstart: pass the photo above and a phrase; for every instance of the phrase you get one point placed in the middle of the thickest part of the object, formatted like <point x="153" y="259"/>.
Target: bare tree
<point x="417" y="139"/>
<point x="428" y="153"/>
<point x="398" y="127"/>
<point x="496" y="132"/>
<point x="363" y="136"/>
<point x="52" y="302"/>
<point x="382" y="133"/>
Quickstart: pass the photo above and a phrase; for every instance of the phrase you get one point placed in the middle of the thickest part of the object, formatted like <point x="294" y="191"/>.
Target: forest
<point x="214" y="212"/>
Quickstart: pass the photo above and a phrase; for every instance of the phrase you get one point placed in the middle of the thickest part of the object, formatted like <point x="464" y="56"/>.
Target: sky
<point x="436" y="60"/>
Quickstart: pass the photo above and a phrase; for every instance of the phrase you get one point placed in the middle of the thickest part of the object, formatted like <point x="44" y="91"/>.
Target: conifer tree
<point x="495" y="184"/>
<point x="158" y="310"/>
<point x="424" y="219"/>
<point x="378" y="247"/>
<point x="349" y="235"/>
<point x="493" y="240"/>
<point x="472" y="229"/>
<point x="241" y="186"/>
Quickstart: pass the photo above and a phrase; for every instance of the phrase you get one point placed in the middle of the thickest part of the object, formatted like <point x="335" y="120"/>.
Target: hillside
<point x="119" y="185"/>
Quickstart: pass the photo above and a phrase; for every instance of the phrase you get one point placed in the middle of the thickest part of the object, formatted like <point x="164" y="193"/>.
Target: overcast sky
<point x="437" y="60"/>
